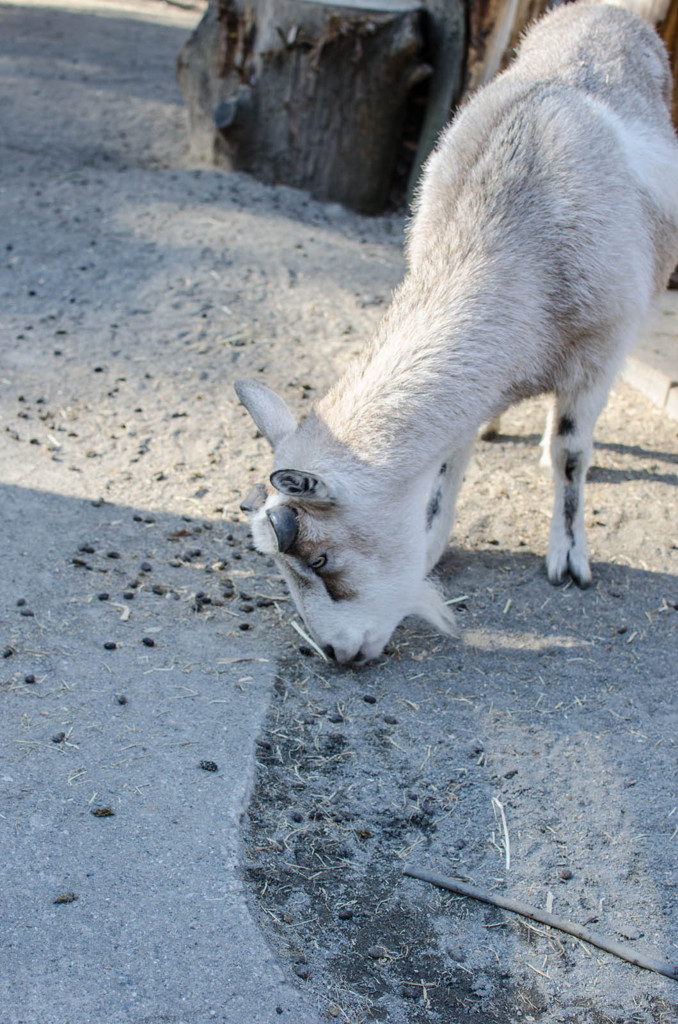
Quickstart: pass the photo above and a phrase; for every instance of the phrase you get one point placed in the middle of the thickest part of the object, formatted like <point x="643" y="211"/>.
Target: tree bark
<point x="309" y="94"/>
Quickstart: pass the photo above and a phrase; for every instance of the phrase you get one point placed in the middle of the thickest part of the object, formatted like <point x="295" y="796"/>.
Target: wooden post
<point x="668" y="30"/>
<point x="495" y="27"/>
<point x="446" y="42"/>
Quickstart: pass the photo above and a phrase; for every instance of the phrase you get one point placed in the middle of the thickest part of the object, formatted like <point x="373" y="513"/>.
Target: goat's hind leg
<point x="571" y="447"/>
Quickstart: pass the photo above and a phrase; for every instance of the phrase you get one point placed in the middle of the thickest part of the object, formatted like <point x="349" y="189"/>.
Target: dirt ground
<point x="133" y="290"/>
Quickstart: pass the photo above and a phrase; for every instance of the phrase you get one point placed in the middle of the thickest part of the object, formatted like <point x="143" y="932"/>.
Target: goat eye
<point x="318" y="563"/>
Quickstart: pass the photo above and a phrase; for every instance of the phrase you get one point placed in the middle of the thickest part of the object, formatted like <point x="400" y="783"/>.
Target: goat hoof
<point x="583" y="580"/>
<point x="564" y="564"/>
<point x="557" y="567"/>
<point x="579" y="570"/>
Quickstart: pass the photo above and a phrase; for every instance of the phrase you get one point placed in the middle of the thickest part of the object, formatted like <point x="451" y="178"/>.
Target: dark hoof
<point x="582" y="582"/>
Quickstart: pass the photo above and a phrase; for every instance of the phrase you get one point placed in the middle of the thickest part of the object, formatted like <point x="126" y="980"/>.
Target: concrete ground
<point x="122" y="895"/>
<point x="152" y="690"/>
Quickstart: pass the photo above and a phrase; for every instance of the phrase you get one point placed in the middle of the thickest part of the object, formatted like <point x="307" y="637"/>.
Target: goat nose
<point x="340" y="655"/>
<point x="345" y="657"/>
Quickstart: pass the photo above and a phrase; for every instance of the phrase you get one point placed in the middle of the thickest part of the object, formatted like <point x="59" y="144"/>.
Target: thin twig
<point x="525" y="910"/>
<point x="233" y="661"/>
<point x="309" y="640"/>
<point x="498" y="807"/>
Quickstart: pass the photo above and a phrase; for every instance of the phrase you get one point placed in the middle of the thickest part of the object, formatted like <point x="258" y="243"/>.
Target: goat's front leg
<point x="571" y="447"/>
<point x="442" y="503"/>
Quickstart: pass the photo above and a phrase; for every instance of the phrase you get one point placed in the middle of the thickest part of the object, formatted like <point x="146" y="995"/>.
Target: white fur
<point x="649" y="155"/>
<point x="545" y="227"/>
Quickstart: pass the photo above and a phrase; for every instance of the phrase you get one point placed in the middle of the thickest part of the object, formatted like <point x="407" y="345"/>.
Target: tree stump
<point x="303" y="92"/>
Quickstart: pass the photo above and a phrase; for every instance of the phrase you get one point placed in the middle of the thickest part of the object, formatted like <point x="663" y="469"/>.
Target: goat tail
<point x="430" y="605"/>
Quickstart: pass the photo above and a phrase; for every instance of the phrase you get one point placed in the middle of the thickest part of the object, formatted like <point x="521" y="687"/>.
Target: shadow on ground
<point x="553" y="704"/>
<point x="133" y="683"/>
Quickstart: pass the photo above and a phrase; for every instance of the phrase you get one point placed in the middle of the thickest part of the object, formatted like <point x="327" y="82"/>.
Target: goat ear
<point x="267" y="409"/>
<point x="285" y="525"/>
<point x="300" y="485"/>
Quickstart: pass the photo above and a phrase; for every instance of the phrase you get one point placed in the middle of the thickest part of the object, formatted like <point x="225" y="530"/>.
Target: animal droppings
<point x="66" y="897"/>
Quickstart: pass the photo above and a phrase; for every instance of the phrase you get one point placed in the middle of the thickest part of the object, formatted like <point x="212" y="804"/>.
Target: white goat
<point x="545" y="227"/>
